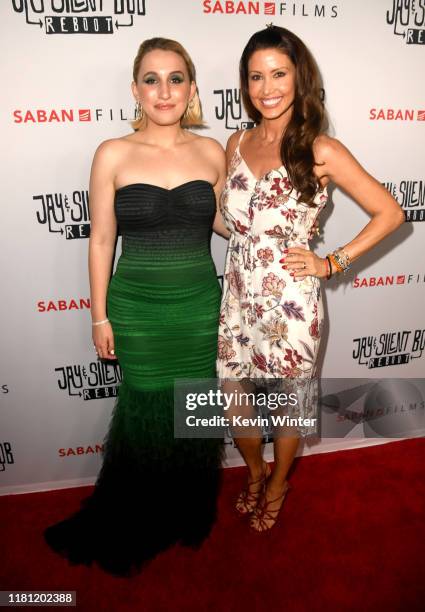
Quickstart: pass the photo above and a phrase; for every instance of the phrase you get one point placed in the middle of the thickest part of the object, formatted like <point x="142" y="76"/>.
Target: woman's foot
<point x="248" y="498"/>
<point x="268" y="508"/>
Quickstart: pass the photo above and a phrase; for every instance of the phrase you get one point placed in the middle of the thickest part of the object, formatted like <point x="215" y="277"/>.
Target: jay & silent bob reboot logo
<point x="80" y="16"/>
<point x="389" y="348"/>
<point x="97" y="380"/>
<point x="407" y="17"/>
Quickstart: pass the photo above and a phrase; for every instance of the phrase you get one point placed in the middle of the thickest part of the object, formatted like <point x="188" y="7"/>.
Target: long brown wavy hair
<point x="308" y="116"/>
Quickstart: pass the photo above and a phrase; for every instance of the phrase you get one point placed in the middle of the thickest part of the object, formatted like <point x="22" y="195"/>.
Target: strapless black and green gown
<point x="153" y="489"/>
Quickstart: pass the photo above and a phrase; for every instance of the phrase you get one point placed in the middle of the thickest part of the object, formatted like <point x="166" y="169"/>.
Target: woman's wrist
<point x="98" y="315"/>
<point x="335" y="262"/>
<point x="100" y="322"/>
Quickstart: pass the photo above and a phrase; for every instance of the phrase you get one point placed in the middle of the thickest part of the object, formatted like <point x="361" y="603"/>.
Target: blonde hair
<point x="193" y="114"/>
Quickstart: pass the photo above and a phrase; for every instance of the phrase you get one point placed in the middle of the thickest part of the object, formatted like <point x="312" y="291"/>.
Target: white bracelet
<point x="95" y="323"/>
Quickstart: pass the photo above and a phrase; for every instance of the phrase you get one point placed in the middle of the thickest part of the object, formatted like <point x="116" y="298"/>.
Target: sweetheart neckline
<point x="165" y="188"/>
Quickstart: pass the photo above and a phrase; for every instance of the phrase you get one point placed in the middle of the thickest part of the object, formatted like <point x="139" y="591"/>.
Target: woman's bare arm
<point x="345" y="171"/>
<point x="102" y="241"/>
<point x="339" y="166"/>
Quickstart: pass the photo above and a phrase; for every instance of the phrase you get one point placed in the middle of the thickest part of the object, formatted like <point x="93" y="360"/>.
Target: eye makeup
<point x="151" y="78"/>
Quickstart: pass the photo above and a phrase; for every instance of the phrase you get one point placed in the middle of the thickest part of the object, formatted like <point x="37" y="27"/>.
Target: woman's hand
<point x="302" y="262"/>
<point x="103" y="340"/>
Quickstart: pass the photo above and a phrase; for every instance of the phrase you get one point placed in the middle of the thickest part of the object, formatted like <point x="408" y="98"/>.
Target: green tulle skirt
<point x="153" y="489"/>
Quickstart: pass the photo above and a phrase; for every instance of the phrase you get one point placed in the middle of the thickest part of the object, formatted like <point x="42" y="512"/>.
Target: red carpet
<point x="351" y="537"/>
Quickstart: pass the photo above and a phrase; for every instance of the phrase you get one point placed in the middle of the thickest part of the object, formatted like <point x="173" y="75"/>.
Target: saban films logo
<point x="80" y="16"/>
<point x="74" y="451"/>
<point x="383" y="408"/>
<point x="411" y="197"/>
<point x="396" y="114"/>
<point x="408" y="20"/>
<point x="389" y="348"/>
<point x="63" y="305"/>
<point x="98" y="380"/>
<point x="65" y="215"/>
<point x="68" y="115"/>
<point x="388" y="280"/>
<point x="288" y="9"/>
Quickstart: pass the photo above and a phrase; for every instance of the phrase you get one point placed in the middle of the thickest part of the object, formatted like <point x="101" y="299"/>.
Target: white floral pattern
<point x="270" y="325"/>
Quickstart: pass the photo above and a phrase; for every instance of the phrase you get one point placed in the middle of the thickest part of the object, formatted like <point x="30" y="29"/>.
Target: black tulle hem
<point x="153" y="491"/>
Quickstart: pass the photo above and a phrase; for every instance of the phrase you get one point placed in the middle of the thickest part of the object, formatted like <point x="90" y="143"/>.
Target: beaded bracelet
<point x="342" y="258"/>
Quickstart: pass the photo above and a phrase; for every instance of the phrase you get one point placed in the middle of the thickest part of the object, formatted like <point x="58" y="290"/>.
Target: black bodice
<point x="141" y="207"/>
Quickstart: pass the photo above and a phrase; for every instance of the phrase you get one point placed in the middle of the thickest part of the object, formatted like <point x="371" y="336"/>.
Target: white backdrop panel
<point x="65" y="92"/>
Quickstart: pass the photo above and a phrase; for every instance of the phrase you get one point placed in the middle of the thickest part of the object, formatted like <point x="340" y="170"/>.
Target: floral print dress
<point x="270" y="324"/>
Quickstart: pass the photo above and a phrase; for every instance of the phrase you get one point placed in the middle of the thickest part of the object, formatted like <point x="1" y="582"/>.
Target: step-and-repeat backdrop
<point x="65" y="74"/>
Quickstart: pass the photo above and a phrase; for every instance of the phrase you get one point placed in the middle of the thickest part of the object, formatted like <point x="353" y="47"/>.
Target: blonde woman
<point x="158" y="315"/>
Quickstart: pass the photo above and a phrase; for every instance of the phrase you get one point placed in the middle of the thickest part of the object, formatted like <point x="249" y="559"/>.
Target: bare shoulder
<point x="110" y="154"/>
<point x="210" y="147"/>
<point x="208" y="143"/>
<point x="327" y="149"/>
<point x="110" y="150"/>
<point x="232" y="142"/>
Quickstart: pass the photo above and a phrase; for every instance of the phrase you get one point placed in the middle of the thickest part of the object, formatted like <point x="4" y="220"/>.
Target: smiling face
<point x="271" y="82"/>
<point x="163" y="87"/>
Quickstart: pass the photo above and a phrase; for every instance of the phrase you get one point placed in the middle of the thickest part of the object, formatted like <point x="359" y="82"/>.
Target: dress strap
<point x="242" y="134"/>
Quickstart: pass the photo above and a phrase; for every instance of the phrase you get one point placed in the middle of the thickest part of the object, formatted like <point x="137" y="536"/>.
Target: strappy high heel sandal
<point x="247" y="500"/>
<point x="262" y="516"/>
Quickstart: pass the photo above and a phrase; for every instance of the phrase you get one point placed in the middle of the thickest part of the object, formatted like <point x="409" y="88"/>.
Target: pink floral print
<point x="270" y="325"/>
